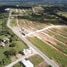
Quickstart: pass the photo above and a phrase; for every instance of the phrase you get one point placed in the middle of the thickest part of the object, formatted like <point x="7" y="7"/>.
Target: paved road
<point x="30" y="45"/>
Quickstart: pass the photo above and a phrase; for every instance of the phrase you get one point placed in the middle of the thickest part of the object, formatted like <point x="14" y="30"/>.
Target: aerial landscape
<point x="33" y="33"/>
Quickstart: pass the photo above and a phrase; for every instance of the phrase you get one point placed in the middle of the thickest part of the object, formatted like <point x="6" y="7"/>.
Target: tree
<point x="21" y="52"/>
<point x="12" y="52"/>
<point x="12" y="45"/>
<point x="7" y="53"/>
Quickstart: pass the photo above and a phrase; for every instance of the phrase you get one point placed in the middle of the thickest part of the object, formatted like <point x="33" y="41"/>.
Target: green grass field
<point x="50" y="52"/>
<point x="19" y="45"/>
<point x="36" y="60"/>
<point x="13" y="22"/>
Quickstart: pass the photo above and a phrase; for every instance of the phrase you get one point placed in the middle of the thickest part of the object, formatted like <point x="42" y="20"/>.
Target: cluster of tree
<point x="10" y="52"/>
<point x="12" y="45"/>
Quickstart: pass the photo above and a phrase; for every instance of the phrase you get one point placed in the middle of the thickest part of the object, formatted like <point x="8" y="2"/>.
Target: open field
<point x="58" y="34"/>
<point x="31" y="25"/>
<point x="56" y="37"/>
<point x="49" y="51"/>
<point x="58" y="40"/>
<point x="62" y="14"/>
<point x="18" y="65"/>
<point x="36" y="60"/>
<point x="13" y="22"/>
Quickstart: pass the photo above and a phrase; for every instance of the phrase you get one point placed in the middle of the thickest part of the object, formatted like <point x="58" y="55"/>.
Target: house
<point x="27" y="51"/>
<point x="6" y="40"/>
<point x="2" y="44"/>
<point x="7" y="9"/>
<point x="27" y="63"/>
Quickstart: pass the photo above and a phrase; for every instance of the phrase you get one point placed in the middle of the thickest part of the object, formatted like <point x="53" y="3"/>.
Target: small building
<point x="7" y="9"/>
<point x="27" y="51"/>
<point x="2" y="44"/>
<point x="27" y="63"/>
<point x="6" y="40"/>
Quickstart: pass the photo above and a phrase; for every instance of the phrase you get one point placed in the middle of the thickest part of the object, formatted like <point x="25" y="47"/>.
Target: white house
<point x="27" y="51"/>
<point x="2" y="44"/>
<point x="27" y="63"/>
<point x="7" y="9"/>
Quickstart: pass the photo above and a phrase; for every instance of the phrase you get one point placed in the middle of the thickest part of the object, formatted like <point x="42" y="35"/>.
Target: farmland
<point x="62" y="14"/>
<point x="13" y="22"/>
<point x="49" y="51"/>
<point x="55" y="37"/>
<point x="29" y="20"/>
<point x="36" y="60"/>
<point x="52" y="41"/>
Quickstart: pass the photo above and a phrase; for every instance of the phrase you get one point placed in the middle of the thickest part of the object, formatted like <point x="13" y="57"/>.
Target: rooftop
<point x="27" y="63"/>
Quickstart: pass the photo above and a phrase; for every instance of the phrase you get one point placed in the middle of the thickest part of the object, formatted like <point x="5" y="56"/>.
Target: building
<point x="2" y="44"/>
<point x="27" y="63"/>
<point x="27" y="51"/>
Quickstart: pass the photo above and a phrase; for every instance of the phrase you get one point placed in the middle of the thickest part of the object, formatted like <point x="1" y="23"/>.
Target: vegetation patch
<point x="13" y="22"/>
<point x="10" y="44"/>
<point x="18" y="65"/>
<point x="36" y="60"/>
<point x="49" y="51"/>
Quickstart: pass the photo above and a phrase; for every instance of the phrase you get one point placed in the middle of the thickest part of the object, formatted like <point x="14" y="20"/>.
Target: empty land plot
<point x="18" y="65"/>
<point x="53" y="42"/>
<point x="58" y="36"/>
<point x="13" y="22"/>
<point x="37" y="60"/>
<point x="56" y="40"/>
<point x="62" y="14"/>
<point x="49" y="51"/>
<point x="19" y="45"/>
<point x="62" y="32"/>
<point x="31" y="25"/>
